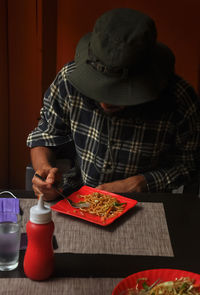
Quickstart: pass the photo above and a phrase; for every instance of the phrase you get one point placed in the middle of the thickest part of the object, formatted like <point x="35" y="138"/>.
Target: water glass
<point x="10" y="234"/>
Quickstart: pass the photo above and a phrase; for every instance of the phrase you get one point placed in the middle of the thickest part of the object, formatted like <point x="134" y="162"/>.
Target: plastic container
<point x="39" y="256"/>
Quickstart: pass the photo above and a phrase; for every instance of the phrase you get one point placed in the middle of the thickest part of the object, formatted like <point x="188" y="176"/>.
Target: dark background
<point x="37" y="37"/>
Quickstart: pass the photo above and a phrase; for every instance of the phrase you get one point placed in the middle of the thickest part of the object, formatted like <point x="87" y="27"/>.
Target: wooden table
<point x="92" y="273"/>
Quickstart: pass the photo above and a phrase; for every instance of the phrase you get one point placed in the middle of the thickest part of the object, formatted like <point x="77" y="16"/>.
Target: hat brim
<point x="133" y="90"/>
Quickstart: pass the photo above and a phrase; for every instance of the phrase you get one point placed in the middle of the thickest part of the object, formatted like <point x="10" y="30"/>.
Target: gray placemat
<point x="141" y="231"/>
<point x="58" y="286"/>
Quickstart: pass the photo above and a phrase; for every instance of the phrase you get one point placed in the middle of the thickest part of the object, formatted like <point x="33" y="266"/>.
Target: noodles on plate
<point x="102" y="205"/>
<point x="182" y="286"/>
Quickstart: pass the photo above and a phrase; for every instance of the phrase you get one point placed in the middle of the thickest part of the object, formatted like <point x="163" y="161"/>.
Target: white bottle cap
<point x="40" y="213"/>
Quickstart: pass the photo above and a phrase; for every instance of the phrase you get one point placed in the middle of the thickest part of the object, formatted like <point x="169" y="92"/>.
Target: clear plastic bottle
<point x="39" y="256"/>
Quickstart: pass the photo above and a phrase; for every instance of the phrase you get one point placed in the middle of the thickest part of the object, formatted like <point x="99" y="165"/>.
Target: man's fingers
<point x="48" y="194"/>
<point x="37" y="190"/>
<point x="51" y="177"/>
<point x="45" y="186"/>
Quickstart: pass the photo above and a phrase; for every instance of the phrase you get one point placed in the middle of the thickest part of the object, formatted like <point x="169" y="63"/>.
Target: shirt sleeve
<point x="53" y="128"/>
<point x="184" y="164"/>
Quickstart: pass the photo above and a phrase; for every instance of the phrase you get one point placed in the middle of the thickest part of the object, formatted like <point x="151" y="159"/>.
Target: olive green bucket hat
<point x="120" y="62"/>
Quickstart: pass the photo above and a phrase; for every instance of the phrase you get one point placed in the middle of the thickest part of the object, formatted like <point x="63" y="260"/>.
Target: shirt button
<point x="108" y="166"/>
<point x="138" y="122"/>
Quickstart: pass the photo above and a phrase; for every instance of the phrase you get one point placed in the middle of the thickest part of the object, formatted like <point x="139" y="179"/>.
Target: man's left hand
<point x="132" y="184"/>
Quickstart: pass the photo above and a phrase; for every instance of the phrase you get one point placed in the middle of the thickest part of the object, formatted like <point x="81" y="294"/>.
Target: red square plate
<point x="64" y="207"/>
<point x="152" y="276"/>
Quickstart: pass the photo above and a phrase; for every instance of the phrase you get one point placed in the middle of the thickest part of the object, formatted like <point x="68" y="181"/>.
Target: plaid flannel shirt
<point x="160" y="140"/>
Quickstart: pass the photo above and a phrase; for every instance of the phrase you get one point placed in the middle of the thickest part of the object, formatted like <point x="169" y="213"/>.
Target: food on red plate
<point x="102" y="205"/>
<point x="179" y="286"/>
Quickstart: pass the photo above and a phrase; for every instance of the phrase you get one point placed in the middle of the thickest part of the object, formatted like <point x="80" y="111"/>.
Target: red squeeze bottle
<point x="39" y="256"/>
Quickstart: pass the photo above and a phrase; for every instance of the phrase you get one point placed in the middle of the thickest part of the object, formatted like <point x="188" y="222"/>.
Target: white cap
<point x="40" y="214"/>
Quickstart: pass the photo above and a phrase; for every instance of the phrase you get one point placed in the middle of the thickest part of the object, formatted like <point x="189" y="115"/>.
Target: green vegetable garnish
<point x="145" y="286"/>
<point x="119" y="204"/>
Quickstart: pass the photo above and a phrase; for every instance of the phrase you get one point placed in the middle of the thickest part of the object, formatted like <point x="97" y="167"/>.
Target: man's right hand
<point x="52" y="177"/>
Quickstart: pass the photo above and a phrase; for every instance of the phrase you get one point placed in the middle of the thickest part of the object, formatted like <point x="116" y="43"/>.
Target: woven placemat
<point x="58" y="286"/>
<point x="141" y="231"/>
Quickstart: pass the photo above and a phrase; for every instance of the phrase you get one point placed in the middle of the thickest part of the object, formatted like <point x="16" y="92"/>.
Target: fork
<point x="73" y="204"/>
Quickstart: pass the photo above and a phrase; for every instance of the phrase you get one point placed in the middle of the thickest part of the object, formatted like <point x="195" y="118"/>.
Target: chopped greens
<point x="182" y="286"/>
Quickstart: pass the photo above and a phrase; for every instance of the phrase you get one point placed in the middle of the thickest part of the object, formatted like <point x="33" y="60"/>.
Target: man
<point x="134" y="123"/>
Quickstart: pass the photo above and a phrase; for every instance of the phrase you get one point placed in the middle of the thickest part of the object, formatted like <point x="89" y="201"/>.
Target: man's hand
<point x="52" y="177"/>
<point x="132" y="184"/>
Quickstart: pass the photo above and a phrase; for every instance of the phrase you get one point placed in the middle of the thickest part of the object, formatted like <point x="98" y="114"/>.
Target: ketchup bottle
<point x="39" y="256"/>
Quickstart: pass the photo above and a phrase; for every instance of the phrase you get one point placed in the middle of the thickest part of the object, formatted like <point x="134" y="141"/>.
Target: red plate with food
<point x="159" y="281"/>
<point x="104" y="209"/>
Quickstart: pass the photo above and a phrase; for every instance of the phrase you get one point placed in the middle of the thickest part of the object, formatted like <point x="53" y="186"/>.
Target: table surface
<point x="98" y="273"/>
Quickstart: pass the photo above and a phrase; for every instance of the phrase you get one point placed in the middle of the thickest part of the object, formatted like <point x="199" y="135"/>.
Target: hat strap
<point x="99" y="66"/>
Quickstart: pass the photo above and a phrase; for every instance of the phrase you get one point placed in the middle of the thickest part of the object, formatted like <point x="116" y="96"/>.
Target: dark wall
<point x="39" y="36"/>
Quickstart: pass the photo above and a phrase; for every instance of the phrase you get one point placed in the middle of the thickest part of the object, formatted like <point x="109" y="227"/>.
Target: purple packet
<point x="9" y="208"/>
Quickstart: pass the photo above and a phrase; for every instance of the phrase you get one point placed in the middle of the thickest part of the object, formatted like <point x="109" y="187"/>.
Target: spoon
<point x="73" y="204"/>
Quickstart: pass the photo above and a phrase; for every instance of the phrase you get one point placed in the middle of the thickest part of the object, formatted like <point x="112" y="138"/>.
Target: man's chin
<point x="113" y="111"/>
